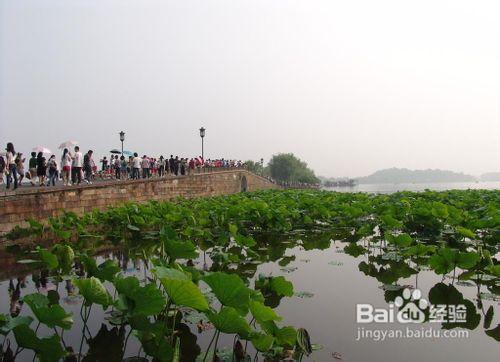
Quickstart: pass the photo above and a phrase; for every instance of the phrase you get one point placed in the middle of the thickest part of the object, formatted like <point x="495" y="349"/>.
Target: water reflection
<point x="387" y="267"/>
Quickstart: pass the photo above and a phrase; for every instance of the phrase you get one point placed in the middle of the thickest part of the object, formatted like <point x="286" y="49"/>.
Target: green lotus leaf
<point x="262" y="313"/>
<point x="262" y="342"/>
<point x="170" y="273"/>
<point x="401" y="240"/>
<point x="149" y="300"/>
<point x="244" y="240"/>
<point x="107" y="270"/>
<point x="65" y="256"/>
<point x="439" y="210"/>
<point x="180" y="249"/>
<point x="50" y="315"/>
<point x="48" y="258"/>
<point x="93" y="291"/>
<point x="48" y="349"/>
<point x="420" y="250"/>
<point x="230" y="321"/>
<point x="9" y="323"/>
<point x="229" y="289"/>
<point x="286" y="336"/>
<point x="494" y="270"/>
<point x="466" y="232"/>
<point x="126" y="286"/>
<point x="182" y="290"/>
<point x="444" y="261"/>
<point x="354" y="250"/>
<point x="146" y="300"/>
<point x="281" y="286"/>
<point x="467" y="260"/>
<point x="390" y="222"/>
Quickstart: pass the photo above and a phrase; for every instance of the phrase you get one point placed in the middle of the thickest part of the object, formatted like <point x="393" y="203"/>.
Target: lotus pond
<point x="272" y="275"/>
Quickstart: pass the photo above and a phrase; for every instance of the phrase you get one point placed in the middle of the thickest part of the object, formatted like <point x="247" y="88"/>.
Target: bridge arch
<point x="244" y="184"/>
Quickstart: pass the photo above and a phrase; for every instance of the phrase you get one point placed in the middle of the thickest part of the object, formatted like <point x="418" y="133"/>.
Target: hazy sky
<point x="349" y="86"/>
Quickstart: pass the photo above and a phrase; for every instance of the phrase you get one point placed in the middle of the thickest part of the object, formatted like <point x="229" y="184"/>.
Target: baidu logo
<point x="411" y="309"/>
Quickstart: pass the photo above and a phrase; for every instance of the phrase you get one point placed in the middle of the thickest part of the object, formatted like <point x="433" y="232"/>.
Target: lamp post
<point x="202" y="135"/>
<point x="122" y="138"/>
<point x="262" y="166"/>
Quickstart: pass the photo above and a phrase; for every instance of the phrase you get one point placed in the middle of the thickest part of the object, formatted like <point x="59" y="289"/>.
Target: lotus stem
<point x="209" y="345"/>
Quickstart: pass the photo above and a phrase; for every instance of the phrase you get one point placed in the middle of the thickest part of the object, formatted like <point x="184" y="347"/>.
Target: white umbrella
<point x="67" y="144"/>
<point x="41" y="149"/>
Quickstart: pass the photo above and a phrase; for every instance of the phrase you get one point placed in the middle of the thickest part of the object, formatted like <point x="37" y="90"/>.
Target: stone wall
<point x="42" y="203"/>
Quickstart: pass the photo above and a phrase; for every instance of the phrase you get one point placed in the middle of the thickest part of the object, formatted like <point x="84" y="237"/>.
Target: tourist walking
<point x="53" y="174"/>
<point x="32" y="168"/>
<point x="171" y="164"/>
<point x="20" y="167"/>
<point x="11" y="165"/>
<point x="87" y="166"/>
<point x="76" y="169"/>
<point x="2" y="169"/>
<point x="176" y="165"/>
<point x="117" y="166"/>
<point x="41" y="168"/>
<point x="145" y="164"/>
<point x="104" y="163"/>
<point x="122" y="167"/>
<point x="183" y="166"/>
<point x="136" y="164"/>
<point x="161" y="166"/>
<point x="66" y="167"/>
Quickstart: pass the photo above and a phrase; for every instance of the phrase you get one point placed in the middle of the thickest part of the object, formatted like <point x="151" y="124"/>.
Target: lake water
<point x="388" y="188"/>
<point x="328" y="284"/>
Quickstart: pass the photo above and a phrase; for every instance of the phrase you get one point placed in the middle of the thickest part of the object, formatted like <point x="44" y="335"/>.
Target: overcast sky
<point x="349" y="86"/>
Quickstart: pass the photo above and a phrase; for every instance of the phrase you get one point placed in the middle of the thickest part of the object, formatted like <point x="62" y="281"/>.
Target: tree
<point x="285" y="167"/>
<point x="254" y="167"/>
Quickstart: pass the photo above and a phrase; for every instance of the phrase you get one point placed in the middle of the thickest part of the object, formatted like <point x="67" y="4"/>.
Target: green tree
<point x="286" y="167"/>
<point x="254" y="166"/>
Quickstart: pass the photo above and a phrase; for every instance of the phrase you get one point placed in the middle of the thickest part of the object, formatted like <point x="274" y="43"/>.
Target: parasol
<point x="67" y="144"/>
<point x="41" y="149"/>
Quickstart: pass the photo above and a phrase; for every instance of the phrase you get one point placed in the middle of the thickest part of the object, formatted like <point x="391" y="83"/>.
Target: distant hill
<point x="404" y="175"/>
<point x="490" y="176"/>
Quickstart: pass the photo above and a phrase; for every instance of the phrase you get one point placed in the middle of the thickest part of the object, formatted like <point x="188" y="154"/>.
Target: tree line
<point x="284" y="167"/>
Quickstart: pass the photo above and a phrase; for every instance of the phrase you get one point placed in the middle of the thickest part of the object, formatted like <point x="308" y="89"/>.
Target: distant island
<point x="490" y="176"/>
<point x="404" y="175"/>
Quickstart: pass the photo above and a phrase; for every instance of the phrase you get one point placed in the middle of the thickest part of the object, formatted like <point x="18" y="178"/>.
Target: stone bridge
<point x="42" y="203"/>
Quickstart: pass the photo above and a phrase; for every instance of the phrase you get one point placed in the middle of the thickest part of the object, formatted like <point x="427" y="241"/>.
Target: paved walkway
<point x="26" y="187"/>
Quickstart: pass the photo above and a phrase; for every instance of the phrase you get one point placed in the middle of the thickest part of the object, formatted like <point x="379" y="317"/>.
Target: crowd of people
<point x="74" y="167"/>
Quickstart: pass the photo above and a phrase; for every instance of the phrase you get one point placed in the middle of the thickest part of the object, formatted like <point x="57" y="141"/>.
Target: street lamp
<point x="202" y="135"/>
<point x="262" y="166"/>
<point x="122" y="138"/>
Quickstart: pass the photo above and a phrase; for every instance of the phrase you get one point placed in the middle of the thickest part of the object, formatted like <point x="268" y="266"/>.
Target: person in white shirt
<point x="76" y="170"/>
<point x="66" y="167"/>
<point x="136" y="163"/>
<point x="10" y="164"/>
